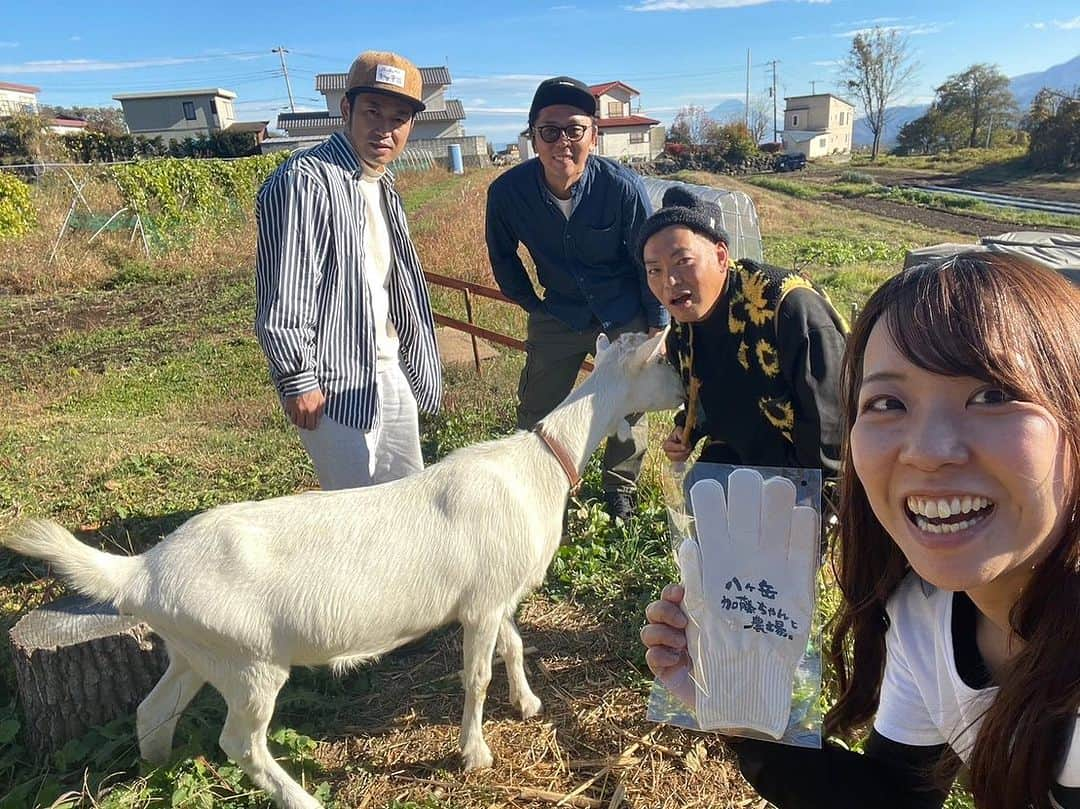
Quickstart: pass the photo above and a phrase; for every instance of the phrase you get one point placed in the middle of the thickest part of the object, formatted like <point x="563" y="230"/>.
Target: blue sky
<point x="676" y="52"/>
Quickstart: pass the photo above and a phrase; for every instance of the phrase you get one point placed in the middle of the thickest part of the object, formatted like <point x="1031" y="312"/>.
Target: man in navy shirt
<point x="578" y="215"/>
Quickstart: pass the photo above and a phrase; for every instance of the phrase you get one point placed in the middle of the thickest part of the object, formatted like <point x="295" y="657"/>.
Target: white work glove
<point x="749" y="582"/>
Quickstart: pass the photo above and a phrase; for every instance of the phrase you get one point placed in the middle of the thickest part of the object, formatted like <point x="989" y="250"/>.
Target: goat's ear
<point x="602" y="343"/>
<point x="651" y="348"/>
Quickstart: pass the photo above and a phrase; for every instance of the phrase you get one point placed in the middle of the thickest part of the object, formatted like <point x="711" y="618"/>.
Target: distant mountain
<point x="897" y="117"/>
<point x="730" y="109"/>
<point x="1064" y="77"/>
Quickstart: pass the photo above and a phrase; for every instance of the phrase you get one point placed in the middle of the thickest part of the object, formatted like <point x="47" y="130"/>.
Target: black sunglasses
<point x="573" y="133"/>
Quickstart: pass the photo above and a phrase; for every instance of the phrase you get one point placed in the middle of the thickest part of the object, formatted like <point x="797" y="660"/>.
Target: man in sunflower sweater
<point x="759" y="347"/>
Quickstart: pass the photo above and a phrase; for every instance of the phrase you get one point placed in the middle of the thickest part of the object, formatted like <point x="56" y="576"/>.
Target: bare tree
<point x="877" y="69"/>
<point x="691" y="125"/>
<point x="760" y="117"/>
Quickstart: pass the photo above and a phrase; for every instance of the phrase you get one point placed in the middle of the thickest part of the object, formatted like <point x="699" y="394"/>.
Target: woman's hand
<point x="665" y="638"/>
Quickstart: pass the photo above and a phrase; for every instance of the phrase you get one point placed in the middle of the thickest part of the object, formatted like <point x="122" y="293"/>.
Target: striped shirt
<point x="314" y="316"/>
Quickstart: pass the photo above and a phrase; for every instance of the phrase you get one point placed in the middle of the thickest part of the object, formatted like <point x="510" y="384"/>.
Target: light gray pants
<point x="346" y="458"/>
<point x="554" y="353"/>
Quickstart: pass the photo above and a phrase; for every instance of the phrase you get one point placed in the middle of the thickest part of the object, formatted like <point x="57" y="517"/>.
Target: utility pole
<point x="775" y="131"/>
<point x="747" y="121"/>
<point x="813" y="87"/>
<point x="281" y="50"/>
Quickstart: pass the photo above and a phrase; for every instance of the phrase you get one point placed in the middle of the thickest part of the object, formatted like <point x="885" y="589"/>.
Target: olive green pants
<point x="553" y="356"/>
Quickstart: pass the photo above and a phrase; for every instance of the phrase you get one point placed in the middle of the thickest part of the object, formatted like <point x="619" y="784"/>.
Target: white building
<point x="818" y="125"/>
<point x="16" y="99"/>
<point x="178" y="114"/>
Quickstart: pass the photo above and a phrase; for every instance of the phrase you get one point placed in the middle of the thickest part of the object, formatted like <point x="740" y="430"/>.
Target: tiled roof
<point x="304" y="120"/>
<point x="600" y="89"/>
<point x="626" y="120"/>
<point x="453" y="112"/>
<point x="19" y="88"/>
<point x="431" y="76"/>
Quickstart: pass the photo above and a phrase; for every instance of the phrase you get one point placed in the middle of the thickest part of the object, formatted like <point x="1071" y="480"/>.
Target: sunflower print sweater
<point x="768" y="362"/>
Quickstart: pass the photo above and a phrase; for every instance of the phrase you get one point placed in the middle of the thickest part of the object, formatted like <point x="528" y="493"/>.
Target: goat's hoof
<point x="529" y="706"/>
<point x="477" y="757"/>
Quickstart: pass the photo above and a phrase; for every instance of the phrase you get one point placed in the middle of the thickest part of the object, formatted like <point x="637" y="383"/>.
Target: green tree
<point x="877" y="69"/>
<point x="109" y="120"/>
<point x="1053" y="123"/>
<point x="981" y="98"/>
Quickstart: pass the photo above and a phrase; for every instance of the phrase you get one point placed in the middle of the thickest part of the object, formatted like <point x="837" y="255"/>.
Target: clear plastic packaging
<point x="744" y="649"/>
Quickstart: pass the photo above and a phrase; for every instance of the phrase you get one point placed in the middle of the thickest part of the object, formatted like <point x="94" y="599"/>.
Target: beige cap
<point x="386" y="73"/>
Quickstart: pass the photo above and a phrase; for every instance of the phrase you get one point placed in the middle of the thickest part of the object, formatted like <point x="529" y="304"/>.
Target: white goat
<point x="244" y="591"/>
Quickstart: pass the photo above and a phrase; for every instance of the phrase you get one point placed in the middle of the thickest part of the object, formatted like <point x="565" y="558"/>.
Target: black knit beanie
<point x="681" y="207"/>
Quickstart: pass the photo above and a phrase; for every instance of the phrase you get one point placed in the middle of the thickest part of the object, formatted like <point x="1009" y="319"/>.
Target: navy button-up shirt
<point x="585" y="264"/>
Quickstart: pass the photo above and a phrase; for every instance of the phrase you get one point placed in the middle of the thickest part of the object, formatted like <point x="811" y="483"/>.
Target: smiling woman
<point x="958" y="554"/>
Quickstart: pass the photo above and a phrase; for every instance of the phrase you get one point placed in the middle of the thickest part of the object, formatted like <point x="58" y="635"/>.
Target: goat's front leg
<point x="521" y="695"/>
<point x="479" y="645"/>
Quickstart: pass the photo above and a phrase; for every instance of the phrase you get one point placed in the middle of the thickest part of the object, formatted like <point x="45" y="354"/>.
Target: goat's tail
<point x="94" y="573"/>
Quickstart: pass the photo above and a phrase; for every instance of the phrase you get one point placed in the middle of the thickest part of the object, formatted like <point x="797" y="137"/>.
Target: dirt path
<point x="931" y="218"/>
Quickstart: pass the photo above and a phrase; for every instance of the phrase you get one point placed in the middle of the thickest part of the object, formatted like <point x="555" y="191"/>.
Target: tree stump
<point x="79" y="665"/>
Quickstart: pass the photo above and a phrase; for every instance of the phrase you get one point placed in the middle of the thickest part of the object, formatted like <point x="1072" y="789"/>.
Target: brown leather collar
<point x="562" y="456"/>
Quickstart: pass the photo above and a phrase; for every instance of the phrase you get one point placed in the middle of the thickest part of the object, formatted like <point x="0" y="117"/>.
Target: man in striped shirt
<point x="342" y="313"/>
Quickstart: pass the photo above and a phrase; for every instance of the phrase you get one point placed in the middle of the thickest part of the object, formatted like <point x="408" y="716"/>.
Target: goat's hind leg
<point x="479" y="646"/>
<point x="157" y="714"/>
<point x="521" y="695"/>
<point x="250" y="691"/>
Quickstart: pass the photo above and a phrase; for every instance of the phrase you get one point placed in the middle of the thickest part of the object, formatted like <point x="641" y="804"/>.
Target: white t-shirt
<point x="378" y="263"/>
<point x="923" y="699"/>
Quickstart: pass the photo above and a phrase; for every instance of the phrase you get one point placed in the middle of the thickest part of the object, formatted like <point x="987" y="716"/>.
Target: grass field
<point x="138" y="396"/>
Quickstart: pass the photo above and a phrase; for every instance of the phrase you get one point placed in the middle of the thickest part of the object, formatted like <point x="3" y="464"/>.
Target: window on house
<point x="614" y="109"/>
<point x="213" y="105"/>
<point x="823" y="142"/>
<point x="189" y="110"/>
<point x="637" y="137"/>
<point x="794" y="121"/>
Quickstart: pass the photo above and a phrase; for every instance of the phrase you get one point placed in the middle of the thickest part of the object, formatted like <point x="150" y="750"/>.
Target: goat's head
<point x="650" y="381"/>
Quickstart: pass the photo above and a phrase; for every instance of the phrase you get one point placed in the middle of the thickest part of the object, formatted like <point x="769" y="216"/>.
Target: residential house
<point x="818" y="125"/>
<point x="67" y="126"/>
<point x="178" y="114"/>
<point x="441" y="124"/>
<point x="624" y="134"/>
<point x="18" y="99"/>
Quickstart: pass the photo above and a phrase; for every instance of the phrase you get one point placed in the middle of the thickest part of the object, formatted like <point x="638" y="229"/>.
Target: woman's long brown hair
<point x="1016" y="324"/>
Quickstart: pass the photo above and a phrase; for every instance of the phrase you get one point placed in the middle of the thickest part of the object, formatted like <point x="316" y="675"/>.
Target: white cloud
<point x="828" y="63"/>
<point x="866" y="23"/>
<point x="693" y="5"/>
<point x="521" y="112"/>
<point x="74" y="38"/>
<point x="917" y="29"/>
<point x="1061" y="25"/>
<point x="500" y="80"/>
<point x="704" y="98"/>
<point x="9" y="44"/>
<point x="95" y="65"/>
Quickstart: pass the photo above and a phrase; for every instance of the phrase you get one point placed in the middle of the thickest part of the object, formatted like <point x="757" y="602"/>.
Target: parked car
<point x="790" y="162"/>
